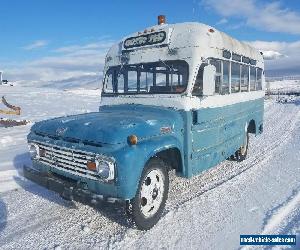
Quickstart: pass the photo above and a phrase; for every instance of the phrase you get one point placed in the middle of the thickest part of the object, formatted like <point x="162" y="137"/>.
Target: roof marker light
<point x="161" y="19"/>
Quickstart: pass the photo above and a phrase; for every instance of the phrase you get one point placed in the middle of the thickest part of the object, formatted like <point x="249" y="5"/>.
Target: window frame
<point x="136" y="68"/>
<point x="241" y="65"/>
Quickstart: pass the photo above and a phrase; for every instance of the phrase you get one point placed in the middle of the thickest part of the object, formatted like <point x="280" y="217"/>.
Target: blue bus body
<point x="199" y="139"/>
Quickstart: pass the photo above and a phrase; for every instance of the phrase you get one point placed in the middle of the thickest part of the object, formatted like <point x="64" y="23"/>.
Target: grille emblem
<point x="61" y="131"/>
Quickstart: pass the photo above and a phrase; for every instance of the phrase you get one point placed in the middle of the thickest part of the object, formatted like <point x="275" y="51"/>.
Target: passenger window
<point x="225" y="83"/>
<point x="198" y="86"/>
<point x="259" y="80"/>
<point x="236" y="57"/>
<point x="217" y="64"/>
<point x="252" y="78"/>
<point x="245" y="78"/>
<point x="235" y="77"/>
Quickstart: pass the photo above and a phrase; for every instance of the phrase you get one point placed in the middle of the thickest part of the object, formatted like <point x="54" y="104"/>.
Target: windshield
<point x="147" y="78"/>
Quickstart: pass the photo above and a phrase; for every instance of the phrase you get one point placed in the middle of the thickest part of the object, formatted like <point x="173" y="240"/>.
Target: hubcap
<point x="152" y="192"/>
<point x="244" y="147"/>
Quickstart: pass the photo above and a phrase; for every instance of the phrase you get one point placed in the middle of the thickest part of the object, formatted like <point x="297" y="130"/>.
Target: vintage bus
<point x="175" y="96"/>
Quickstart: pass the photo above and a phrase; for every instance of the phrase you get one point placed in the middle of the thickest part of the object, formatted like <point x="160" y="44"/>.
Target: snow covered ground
<point x="258" y="196"/>
<point x="285" y="84"/>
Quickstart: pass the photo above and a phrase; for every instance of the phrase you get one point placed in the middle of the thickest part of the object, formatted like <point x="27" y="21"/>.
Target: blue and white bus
<point x="175" y="96"/>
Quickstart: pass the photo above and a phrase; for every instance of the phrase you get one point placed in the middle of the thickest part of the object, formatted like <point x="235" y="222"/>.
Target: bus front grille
<point x="67" y="160"/>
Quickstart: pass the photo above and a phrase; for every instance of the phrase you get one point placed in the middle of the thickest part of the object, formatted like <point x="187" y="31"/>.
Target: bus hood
<point x="111" y="125"/>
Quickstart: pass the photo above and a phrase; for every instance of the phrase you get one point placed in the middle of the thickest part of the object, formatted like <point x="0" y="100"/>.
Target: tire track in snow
<point x="276" y="220"/>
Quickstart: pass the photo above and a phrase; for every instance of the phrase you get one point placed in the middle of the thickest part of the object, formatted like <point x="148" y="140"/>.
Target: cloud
<point x="279" y="55"/>
<point x="222" y="21"/>
<point x="62" y="64"/>
<point x="36" y="44"/>
<point x="287" y="48"/>
<point x="272" y="55"/>
<point x="271" y="17"/>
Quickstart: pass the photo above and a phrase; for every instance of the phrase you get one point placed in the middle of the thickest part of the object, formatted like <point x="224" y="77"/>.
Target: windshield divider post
<point x="115" y="81"/>
<point x="167" y="80"/>
<point x="125" y="74"/>
<point x="138" y="83"/>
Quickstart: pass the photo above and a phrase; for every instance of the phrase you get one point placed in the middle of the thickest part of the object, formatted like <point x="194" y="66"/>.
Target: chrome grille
<point x="67" y="159"/>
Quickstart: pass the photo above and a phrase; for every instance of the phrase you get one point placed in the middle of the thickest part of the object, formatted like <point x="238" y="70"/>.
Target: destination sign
<point x="147" y="39"/>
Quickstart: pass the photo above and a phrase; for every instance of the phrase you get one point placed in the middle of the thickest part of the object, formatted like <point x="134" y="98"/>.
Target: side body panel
<point x="213" y="134"/>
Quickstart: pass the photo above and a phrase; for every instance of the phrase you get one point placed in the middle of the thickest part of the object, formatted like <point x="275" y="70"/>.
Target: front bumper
<point x="69" y="189"/>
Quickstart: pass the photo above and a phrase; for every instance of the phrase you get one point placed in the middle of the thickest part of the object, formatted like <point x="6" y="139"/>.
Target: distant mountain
<point x="95" y="81"/>
<point x="282" y="72"/>
<point x="84" y="81"/>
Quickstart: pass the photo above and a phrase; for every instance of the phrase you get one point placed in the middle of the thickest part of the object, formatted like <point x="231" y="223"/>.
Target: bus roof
<point x="190" y="37"/>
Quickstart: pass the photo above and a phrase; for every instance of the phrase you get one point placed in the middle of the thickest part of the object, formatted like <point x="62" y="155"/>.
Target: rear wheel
<point x="241" y="153"/>
<point x="150" y="200"/>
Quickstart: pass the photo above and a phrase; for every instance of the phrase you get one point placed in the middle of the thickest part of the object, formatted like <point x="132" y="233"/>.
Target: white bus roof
<point x="192" y="42"/>
<point x="189" y="40"/>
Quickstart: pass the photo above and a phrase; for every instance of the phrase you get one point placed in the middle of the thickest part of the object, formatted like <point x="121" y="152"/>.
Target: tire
<point x="149" y="202"/>
<point x="241" y="153"/>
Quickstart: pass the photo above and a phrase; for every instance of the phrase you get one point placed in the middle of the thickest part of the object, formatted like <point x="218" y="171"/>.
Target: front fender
<point x="132" y="159"/>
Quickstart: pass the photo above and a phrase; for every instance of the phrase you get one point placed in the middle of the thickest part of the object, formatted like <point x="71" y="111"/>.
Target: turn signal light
<point x="91" y="166"/>
<point x="132" y="139"/>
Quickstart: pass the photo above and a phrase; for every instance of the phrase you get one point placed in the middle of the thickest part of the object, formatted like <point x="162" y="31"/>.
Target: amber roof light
<point x="161" y="19"/>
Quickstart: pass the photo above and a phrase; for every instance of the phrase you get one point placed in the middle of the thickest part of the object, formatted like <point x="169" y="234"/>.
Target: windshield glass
<point x="147" y="78"/>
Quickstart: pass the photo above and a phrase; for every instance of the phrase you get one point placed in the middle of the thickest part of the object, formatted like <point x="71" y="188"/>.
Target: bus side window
<point x="258" y="79"/>
<point x="235" y="77"/>
<point x="217" y="64"/>
<point x="252" y="78"/>
<point x="198" y="86"/>
<point x="245" y="78"/>
<point x="225" y="83"/>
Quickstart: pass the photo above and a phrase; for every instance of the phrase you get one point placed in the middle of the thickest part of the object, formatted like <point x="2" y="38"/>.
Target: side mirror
<point x="209" y="76"/>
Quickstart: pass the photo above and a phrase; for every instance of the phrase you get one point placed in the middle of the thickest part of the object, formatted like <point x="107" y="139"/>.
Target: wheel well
<point x="252" y="127"/>
<point x="172" y="158"/>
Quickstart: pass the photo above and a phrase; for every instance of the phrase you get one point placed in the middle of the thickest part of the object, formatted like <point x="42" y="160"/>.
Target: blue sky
<point x="55" y="40"/>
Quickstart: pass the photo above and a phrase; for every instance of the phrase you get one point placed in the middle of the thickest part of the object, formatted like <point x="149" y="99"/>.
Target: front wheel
<point x="150" y="199"/>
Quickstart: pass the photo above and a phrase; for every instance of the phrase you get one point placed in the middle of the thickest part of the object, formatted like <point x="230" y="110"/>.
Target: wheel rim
<point x="244" y="147"/>
<point x="152" y="191"/>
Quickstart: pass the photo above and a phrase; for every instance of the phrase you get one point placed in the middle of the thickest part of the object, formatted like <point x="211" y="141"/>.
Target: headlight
<point x="104" y="166"/>
<point x="34" y="151"/>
